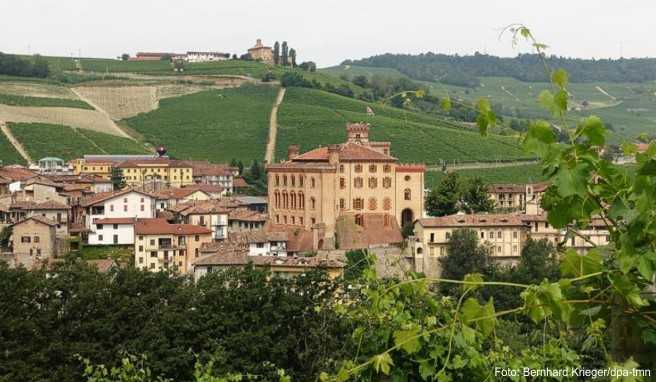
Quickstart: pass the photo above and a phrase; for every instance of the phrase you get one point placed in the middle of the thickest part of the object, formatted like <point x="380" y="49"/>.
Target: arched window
<point x="301" y="200"/>
<point x="285" y="200"/>
<point x="387" y="182"/>
<point x="277" y="199"/>
<point x="358" y="203"/>
<point x="277" y="180"/>
<point x="293" y="198"/>
<point x="300" y="180"/>
<point x="293" y="181"/>
<point x="372" y="204"/>
<point x="387" y="204"/>
<point x="284" y="180"/>
<point x="373" y="182"/>
<point x="313" y="203"/>
<point x="407" y="194"/>
<point x="357" y="182"/>
<point x="313" y="182"/>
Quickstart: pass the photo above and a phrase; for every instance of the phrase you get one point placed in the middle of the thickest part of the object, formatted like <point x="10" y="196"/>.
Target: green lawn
<point x="46" y="140"/>
<point x="312" y="118"/>
<point x="17" y="100"/>
<point x="514" y="174"/>
<point x="113" y="144"/>
<point x="216" y="125"/>
<point x="9" y="155"/>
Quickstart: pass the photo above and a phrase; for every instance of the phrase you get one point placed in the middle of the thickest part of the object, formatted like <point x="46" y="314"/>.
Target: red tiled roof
<point x="411" y="167"/>
<point x="240" y="183"/>
<point x="244" y="214"/>
<point x="46" y="205"/>
<point x="176" y="193"/>
<point x="163" y="227"/>
<point x="16" y="173"/>
<point x="39" y="219"/>
<point x="347" y="152"/>
<point x="473" y="220"/>
<point x="208" y="188"/>
<point x="102" y="196"/>
<point x="512" y="188"/>
<point x="103" y="265"/>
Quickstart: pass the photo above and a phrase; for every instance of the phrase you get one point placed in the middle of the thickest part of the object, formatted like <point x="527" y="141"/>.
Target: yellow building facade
<point x="172" y="172"/>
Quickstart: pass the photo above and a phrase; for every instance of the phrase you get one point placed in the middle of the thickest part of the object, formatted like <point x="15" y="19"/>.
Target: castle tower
<point x="358" y="133"/>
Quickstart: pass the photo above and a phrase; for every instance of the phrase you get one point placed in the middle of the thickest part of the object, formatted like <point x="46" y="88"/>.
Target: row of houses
<point x="257" y="52"/>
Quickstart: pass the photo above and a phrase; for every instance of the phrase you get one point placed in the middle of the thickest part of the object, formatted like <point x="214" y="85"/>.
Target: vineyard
<point x="8" y="154"/>
<point x="216" y="125"/>
<point x="512" y="174"/>
<point x="313" y="118"/>
<point x="43" y="140"/>
<point x="17" y="100"/>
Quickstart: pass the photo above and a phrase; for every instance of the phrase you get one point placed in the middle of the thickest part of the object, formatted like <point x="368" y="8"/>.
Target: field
<point x="121" y="102"/>
<point x="8" y="154"/>
<point x="514" y="174"/>
<point x="17" y="100"/>
<point x="351" y="71"/>
<point x="313" y="118"/>
<point x="35" y="89"/>
<point x="42" y="140"/>
<point x="217" y="125"/>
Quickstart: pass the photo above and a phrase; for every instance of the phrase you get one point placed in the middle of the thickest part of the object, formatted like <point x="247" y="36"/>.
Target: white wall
<point x="125" y="234"/>
<point x="132" y="208"/>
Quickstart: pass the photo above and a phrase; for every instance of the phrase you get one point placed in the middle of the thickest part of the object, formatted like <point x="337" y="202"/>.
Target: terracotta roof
<point x="411" y="167"/>
<point x="244" y="214"/>
<point x="240" y="183"/>
<point x="473" y="220"/>
<point x="204" y="168"/>
<point x="39" y="219"/>
<point x="347" y="152"/>
<point x="103" y="265"/>
<point x="208" y="188"/>
<point x="16" y="173"/>
<point x="176" y="193"/>
<point x="4" y="180"/>
<point x="46" y="205"/>
<point x="511" y="187"/>
<point x="115" y="221"/>
<point x="205" y="207"/>
<point x="43" y="181"/>
<point x="103" y="196"/>
<point x="262" y="236"/>
<point x="163" y="227"/>
<point x="299" y="240"/>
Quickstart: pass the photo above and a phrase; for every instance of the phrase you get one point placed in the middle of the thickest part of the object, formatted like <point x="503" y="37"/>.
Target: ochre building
<point x="357" y="178"/>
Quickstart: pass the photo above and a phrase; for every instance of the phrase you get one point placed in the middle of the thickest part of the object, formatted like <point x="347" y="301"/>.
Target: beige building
<point x="93" y="167"/>
<point x="503" y="234"/>
<point x="34" y="241"/>
<point x="518" y="197"/>
<point x="159" y="245"/>
<point x="596" y="234"/>
<point x="261" y="53"/>
<point x="355" y="178"/>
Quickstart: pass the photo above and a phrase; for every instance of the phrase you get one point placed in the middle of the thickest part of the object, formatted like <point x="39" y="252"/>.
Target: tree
<point x="166" y="57"/>
<point x="444" y="199"/>
<point x="240" y="166"/>
<point x="284" y="59"/>
<point x="538" y="262"/>
<point x="308" y="66"/>
<point x="268" y="76"/>
<point x="125" y="57"/>
<point x="276" y="53"/>
<point x="255" y="171"/>
<point x="475" y="197"/>
<point x="361" y="81"/>
<point x="290" y="79"/>
<point x="118" y="181"/>
<point x="464" y="255"/>
<point x="292" y="57"/>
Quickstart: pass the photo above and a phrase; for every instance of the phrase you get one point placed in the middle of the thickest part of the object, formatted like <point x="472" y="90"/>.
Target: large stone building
<point x="144" y="173"/>
<point x="352" y="179"/>
<point x="261" y="53"/>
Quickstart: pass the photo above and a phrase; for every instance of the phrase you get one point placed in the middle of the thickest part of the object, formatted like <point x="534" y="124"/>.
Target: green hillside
<point x="515" y="174"/>
<point x="313" y="118"/>
<point x="17" y="100"/>
<point x="8" y="154"/>
<point x="217" y="125"/>
<point x="43" y="140"/>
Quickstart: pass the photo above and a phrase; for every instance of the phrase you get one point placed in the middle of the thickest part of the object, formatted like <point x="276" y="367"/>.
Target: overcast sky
<point x="325" y="31"/>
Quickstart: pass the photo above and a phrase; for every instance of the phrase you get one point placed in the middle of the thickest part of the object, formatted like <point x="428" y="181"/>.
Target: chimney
<point x="333" y="154"/>
<point x="292" y="151"/>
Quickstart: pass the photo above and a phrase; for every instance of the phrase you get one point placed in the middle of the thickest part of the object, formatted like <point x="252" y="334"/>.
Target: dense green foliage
<point x="8" y="154"/>
<point x="13" y="65"/>
<point x="245" y="321"/>
<point x="464" y="70"/>
<point x="453" y="194"/>
<point x="16" y="100"/>
<point x="511" y="174"/>
<point x="313" y="118"/>
<point x="216" y="125"/>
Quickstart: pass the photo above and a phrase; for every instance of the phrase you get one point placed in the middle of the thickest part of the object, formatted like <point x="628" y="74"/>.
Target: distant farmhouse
<point x="190" y="56"/>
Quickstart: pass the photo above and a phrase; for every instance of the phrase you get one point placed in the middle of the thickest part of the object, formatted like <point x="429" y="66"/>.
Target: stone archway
<point x="407" y="217"/>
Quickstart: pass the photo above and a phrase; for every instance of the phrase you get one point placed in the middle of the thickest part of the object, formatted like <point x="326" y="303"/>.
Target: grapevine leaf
<point x="645" y="266"/>
<point x="546" y="99"/>
<point x="575" y="265"/>
<point x="628" y="289"/>
<point x="408" y="340"/>
<point x="382" y="363"/>
<point x="560" y="77"/>
<point x="571" y="181"/>
<point x="648" y="168"/>
<point x="593" y="128"/>
<point x="476" y="278"/>
<point x="560" y="102"/>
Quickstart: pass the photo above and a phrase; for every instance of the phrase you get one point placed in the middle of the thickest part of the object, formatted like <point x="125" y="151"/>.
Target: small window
<point x="125" y="208"/>
<point x="372" y="168"/>
<point x="100" y="237"/>
<point x="152" y="242"/>
<point x="373" y="182"/>
<point x="26" y="239"/>
<point x="153" y="254"/>
<point x="36" y="239"/>
<point x="141" y="260"/>
<point x="342" y="183"/>
<point x="141" y="248"/>
<point x="99" y="226"/>
<point x="499" y="235"/>
<point x="342" y="204"/>
<point x="372" y="204"/>
<point x="358" y="182"/>
<point x="407" y="178"/>
<point x="514" y="234"/>
<point x="482" y="235"/>
<point x="358" y="168"/>
<point x="407" y="195"/>
<point x="387" y="168"/>
<point x="387" y="182"/>
<point x="448" y="235"/>
<point x="432" y="237"/>
<point x="197" y="238"/>
<point x="115" y="226"/>
<point x="341" y="168"/>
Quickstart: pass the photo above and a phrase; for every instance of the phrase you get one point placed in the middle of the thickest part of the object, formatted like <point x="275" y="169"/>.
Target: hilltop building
<point x="206" y="56"/>
<point x="345" y="184"/>
<point x="261" y="53"/>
